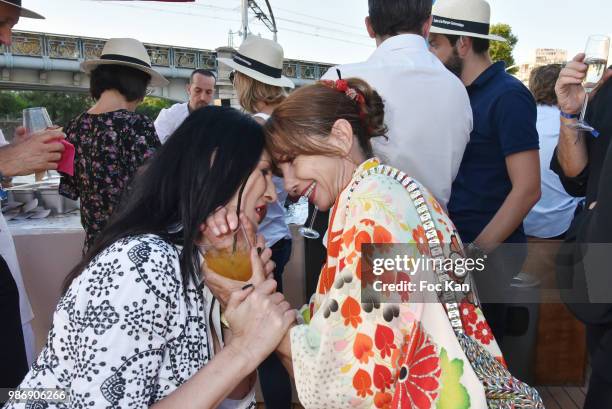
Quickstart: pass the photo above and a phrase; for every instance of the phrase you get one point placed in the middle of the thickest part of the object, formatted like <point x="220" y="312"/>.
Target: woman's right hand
<point x="259" y="318"/>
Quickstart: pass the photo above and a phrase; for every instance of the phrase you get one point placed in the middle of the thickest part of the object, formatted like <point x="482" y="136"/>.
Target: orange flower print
<point x="349" y="236"/>
<point x="383" y="400"/>
<point x="483" y="333"/>
<point x="436" y="206"/>
<point x="420" y="238"/>
<point x="419" y="374"/>
<point x="362" y="237"/>
<point x="368" y="222"/>
<point x="326" y="281"/>
<point x="362" y="383"/>
<point x="350" y="312"/>
<point x="362" y="348"/>
<point x="382" y="377"/>
<point x="384" y="338"/>
<point x="334" y="244"/>
<point x="382" y="235"/>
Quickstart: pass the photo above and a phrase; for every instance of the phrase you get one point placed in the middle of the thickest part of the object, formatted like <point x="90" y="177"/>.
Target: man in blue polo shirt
<point x="499" y="177"/>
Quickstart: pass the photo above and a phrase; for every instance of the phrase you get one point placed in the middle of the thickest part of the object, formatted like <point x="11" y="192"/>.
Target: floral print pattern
<point x="109" y="149"/>
<point x="356" y="352"/>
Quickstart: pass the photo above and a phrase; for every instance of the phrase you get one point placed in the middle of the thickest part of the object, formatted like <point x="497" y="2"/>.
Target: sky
<point x="329" y="31"/>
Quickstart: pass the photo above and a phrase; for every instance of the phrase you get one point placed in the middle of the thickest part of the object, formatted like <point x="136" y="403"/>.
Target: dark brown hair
<point x="129" y="82"/>
<point x="542" y="83"/>
<point x="301" y="124"/>
<point x="393" y="17"/>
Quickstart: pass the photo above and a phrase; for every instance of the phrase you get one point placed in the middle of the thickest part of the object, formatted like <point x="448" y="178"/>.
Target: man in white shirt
<point x="427" y="109"/>
<point x="201" y="91"/>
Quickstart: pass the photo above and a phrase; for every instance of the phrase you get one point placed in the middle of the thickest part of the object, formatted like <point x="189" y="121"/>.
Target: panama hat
<point x="471" y="18"/>
<point x="260" y="59"/>
<point x="128" y="52"/>
<point x="23" y="11"/>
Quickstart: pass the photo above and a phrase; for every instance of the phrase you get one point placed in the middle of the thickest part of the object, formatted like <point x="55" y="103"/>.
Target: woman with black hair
<point x="111" y="140"/>
<point x="136" y="326"/>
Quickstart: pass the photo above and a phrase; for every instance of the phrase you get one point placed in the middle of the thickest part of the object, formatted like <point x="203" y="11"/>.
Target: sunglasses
<point x="232" y="76"/>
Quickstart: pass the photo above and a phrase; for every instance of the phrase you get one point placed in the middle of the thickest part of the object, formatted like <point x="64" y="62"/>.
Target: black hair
<point x="200" y="168"/>
<point x="479" y="45"/>
<point x="392" y="17"/>
<point x="132" y="83"/>
<point x="202" y="71"/>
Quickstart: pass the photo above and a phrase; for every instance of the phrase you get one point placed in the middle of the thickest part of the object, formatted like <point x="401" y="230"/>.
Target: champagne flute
<point x="35" y="120"/>
<point x="309" y="232"/>
<point x="596" y="57"/>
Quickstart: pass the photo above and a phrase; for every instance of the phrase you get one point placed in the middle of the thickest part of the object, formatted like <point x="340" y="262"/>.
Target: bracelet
<point x="569" y="116"/>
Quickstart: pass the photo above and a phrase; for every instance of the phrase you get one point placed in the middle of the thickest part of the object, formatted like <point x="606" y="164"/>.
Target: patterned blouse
<point x="109" y="149"/>
<point x="126" y="333"/>
<point x="358" y="354"/>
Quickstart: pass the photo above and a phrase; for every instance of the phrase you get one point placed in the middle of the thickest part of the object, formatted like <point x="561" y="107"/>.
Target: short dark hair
<point x="202" y="71"/>
<point x="392" y="17"/>
<point x="132" y="83"/>
<point x="479" y="45"/>
<point x="542" y="83"/>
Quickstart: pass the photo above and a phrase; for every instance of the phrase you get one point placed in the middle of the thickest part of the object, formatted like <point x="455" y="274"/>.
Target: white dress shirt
<point x="553" y="214"/>
<point x="427" y="111"/>
<point x="7" y="250"/>
<point x="169" y="119"/>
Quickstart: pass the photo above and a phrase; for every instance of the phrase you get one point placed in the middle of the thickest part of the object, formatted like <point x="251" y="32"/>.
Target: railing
<point x="43" y="45"/>
<point x="81" y="48"/>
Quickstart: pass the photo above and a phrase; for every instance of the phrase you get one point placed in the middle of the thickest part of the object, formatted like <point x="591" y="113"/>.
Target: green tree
<point x="61" y="106"/>
<point x="152" y="105"/>
<point x="64" y="106"/>
<point x="502" y="51"/>
<point x="11" y="104"/>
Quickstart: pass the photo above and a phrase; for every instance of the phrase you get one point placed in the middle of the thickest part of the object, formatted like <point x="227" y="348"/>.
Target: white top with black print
<point x="126" y="333"/>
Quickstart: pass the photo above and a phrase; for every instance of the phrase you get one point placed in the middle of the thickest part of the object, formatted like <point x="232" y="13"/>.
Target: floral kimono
<point x="361" y="355"/>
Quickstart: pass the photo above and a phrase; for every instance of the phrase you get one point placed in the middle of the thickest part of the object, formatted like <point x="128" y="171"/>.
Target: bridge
<point x="43" y="61"/>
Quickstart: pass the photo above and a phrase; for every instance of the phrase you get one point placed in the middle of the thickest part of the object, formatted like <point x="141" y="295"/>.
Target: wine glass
<point x="596" y="57"/>
<point x="35" y="120"/>
<point x="309" y="232"/>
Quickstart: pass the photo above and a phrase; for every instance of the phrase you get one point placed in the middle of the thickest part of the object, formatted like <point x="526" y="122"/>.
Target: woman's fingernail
<point x="216" y="231"/>
<point x="259" y="251"/>
<point x="224" y="229"/>
<point x="247" y="286"/>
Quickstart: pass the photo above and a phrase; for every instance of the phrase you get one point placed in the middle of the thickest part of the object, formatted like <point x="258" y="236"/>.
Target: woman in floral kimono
<point x="352" y="352"/>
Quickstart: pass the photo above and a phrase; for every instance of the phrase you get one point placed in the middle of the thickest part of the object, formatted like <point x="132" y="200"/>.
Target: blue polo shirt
<point x="504" y="123"/>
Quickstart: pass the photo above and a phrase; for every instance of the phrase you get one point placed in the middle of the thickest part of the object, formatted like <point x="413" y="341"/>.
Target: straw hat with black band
<point x="130" y="53"/>
<point x="260" y="59"/>
<point x="23" y="12"/>
<point x="470" y="18"/>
